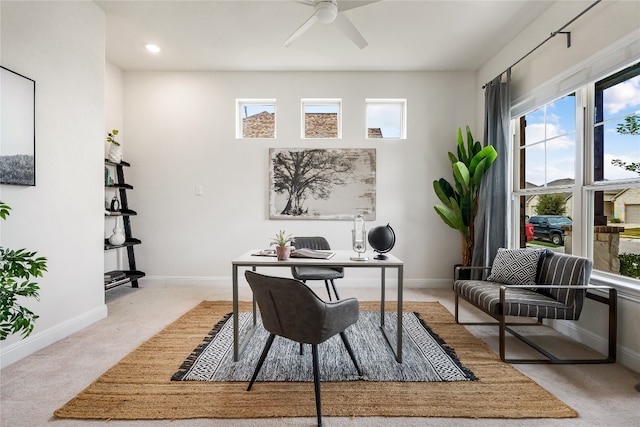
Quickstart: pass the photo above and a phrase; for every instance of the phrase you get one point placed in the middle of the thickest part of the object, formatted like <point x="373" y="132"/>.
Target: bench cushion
<point x="518" y="301"/>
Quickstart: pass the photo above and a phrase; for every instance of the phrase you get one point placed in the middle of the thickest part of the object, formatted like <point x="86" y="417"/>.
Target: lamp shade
<point x="382" y="239"/>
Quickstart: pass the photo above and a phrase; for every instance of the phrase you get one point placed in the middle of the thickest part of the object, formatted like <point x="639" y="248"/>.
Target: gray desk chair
<point x="291" y="310"/>
<point x="328" y="274"/>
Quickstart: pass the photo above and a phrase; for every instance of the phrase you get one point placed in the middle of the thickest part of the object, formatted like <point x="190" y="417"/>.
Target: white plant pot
<point x="115" y="153"/>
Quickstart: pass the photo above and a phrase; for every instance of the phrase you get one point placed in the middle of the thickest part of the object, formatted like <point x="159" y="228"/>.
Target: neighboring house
<point x="261" y="125"/>
<point x="374" y="133"/>
<point x="317" y="125"/>
<point x="532" y="201"/>
<point x="321" y="125"/>
<point x="623" y="205"/>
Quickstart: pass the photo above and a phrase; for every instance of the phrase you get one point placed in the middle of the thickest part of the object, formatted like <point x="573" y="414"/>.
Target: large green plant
<point x="17" y="268"/>
<point x="460" y="200"/>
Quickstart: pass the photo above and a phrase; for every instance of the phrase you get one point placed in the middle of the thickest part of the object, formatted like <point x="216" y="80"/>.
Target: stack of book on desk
<point x="299" y="253"/>
<point x="311" y="253"/>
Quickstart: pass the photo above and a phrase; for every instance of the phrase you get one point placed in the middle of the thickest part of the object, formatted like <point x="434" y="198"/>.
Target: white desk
<point x="340" y="259"/>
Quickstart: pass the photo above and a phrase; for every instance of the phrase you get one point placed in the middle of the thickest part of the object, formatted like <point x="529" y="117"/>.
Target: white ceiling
<point x="248" y="35"/>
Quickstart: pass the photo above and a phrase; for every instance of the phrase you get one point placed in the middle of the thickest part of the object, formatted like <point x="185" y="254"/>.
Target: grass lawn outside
<point x="631" y="233"/>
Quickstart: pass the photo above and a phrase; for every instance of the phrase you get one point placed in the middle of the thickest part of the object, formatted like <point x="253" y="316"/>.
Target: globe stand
<point x="380" y="256"/>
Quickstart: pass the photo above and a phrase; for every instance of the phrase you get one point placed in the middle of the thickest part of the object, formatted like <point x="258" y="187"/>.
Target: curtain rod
<point x="555" y="33"/>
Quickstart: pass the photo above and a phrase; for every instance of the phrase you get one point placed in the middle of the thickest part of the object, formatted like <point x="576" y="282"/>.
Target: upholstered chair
<point x="328" y="274"/>
<point x="292" y="310"/>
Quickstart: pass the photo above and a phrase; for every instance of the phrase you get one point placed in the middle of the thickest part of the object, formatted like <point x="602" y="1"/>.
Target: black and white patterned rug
<point x="426" y="357"/>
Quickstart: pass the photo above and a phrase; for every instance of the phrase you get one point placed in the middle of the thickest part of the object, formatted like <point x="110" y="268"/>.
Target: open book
<point x="311" y="253"/>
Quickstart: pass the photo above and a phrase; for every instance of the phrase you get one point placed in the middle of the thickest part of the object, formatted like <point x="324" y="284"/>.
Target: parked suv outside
<point x="549" y="227"/>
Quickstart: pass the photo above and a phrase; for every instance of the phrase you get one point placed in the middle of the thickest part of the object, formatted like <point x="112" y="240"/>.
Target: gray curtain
<point x="492" y="218"/>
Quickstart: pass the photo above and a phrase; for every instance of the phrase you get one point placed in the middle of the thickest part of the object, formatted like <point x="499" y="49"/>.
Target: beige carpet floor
<point x="139" y="386"/>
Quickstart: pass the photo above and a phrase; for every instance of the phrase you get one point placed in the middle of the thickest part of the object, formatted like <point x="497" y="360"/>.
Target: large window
<point x="547" y="152"/>
<point x="584" y="182"/>
<point x="615" y="193"/>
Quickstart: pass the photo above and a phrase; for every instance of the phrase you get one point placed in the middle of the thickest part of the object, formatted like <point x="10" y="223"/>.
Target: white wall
<point x="113" y="97"/>
<point x="599" y="30"/>
<point x="180" y="133"/>
<point x="61" y="46"/>
<point x="603" y="40"/>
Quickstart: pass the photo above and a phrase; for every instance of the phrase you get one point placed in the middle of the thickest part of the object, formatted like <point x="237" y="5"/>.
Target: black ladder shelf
<point x="120" y="277"/>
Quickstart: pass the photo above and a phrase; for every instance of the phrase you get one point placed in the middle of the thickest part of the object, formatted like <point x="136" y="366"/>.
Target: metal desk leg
<point x="400" y="296"/>
<point x="238" y="347"/>
<point x="235" y="312"/>
<point x="253" y="300"/>
<point x="385" y="332"/>
<point x="382" y="296"/>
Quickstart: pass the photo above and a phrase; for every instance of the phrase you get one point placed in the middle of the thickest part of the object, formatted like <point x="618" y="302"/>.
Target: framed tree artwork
<point x="17" y="129"/>
<point x="333" y="184"/>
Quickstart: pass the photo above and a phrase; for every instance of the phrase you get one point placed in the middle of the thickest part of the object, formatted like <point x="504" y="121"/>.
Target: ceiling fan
<point x="330" y="12"/>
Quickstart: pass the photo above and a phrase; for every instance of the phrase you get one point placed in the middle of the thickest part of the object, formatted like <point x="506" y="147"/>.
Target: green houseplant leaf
<point x="17" y="268"/>
<point x="460" y="201"/>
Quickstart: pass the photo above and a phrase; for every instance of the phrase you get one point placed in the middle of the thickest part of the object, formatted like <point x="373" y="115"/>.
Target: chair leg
<point x="334" y="289"/>
<point x="316" y="382"/>
<point x="326" y="284"/>
<point x="350" y="351"/>
<point x="301" y="349"/>
<point x="263" y="356"/>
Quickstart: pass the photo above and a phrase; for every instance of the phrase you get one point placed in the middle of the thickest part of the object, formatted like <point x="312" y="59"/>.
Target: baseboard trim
<point x="625" y="356"/>
<point x="37" y="341"/>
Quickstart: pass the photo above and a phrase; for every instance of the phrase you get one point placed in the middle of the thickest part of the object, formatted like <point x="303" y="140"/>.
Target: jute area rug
<point x="140" y="386"/>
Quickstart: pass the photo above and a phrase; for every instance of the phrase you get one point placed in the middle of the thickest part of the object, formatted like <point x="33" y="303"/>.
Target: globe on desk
<point x="382" y="239"/>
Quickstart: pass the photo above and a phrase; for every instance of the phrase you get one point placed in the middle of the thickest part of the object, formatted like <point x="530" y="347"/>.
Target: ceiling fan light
<point x="326" y="11"/>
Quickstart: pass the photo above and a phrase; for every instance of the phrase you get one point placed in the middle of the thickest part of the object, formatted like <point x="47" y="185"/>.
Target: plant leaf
<point x="461" y="175"/>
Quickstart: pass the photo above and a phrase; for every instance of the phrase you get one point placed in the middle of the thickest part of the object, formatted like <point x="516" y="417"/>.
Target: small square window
<point x="255" y="118"/>
<point x="386" y="119"/>
<point x="321" y="118"/>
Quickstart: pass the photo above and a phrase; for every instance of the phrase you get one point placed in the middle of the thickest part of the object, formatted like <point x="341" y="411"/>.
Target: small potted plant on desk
<point x="282" y="250"/>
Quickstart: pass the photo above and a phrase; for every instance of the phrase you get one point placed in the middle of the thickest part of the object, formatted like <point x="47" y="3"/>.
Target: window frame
<point x="320" y="101"/>
<point x="241" y="102"/>
<point x="585" y="185"/>
<point x="389" y="101"/>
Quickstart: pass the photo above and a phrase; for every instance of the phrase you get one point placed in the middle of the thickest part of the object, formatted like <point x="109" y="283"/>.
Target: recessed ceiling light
<point x="152" y="48"/>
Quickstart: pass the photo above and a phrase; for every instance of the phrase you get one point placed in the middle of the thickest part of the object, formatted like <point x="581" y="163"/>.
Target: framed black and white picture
<point x="17" y="129"/>
<point x="333" y="184"/>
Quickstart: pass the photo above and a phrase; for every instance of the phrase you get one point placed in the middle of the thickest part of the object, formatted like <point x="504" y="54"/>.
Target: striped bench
<point x="558" y="292"/>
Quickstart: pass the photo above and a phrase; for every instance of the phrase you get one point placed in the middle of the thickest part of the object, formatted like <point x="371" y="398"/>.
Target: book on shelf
<point x="116" y="282"/>
<point x="311" y="253"/>
<point x="114" y="275"/>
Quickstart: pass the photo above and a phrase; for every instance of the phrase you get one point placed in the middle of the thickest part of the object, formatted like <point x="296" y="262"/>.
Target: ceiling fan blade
<point x="352" y="4"/>
<point x="348" y="29"/>
<point x="297" y="33"/>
